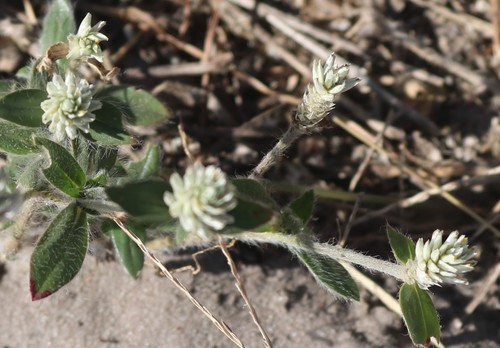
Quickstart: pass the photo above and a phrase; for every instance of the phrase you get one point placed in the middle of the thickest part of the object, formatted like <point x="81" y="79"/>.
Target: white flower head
<point x="85" y="43"/>
<point x="318" y="100"/>
<point x="69" y="107"/>
<point x="437" y="262"/>
<point x="201" y="199"/>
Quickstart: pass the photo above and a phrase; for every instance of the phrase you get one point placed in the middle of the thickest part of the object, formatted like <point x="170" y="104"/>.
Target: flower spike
<point x="318" y="100"/>
<point x="201" y="199"/>
<point x="85" y="43"/>
<point x="437" y="262"/>
<point x="69" y="107"/>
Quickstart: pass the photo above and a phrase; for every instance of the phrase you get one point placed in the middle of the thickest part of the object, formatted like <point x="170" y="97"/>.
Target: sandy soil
<point x="104" y="307"/>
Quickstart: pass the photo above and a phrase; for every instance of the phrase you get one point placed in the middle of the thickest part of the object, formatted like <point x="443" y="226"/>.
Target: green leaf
<point x="140" y="107"/>
<point x="129" y="253"/>
<point x="419" y="314"/>
<point x="303" y="206"/>
<point x="143" y="200"/>
<point x="107" y="129"/>
<point x="58" y="23"/>
<point x="253" y="216"/>
<point x="256" y="211"/>
<point x="402" y="246"/>
<point x="28" y="173"/>
<point x="64" y="172"/>
<point x="253" y="190"/>
<point x="93" y="158"/>
<point x="60" y="252"/>
<point x="16" y="140"/>
<point x="147" y="166"/>
<point x="330" y="274"/>
<point x="23" y="107"/>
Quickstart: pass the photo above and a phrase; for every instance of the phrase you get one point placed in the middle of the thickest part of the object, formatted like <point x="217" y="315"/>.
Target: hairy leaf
<point x="253" y="190"/>
<point x="140" y="107"/>
<point x="59" y="254"/>
<point x="107" y="129"/>
<point x="146" y="167"/>
<point x="129" y="253"/>
<point x="303" y="206"/>
<point x="253" y="216"/>
<point x="402" y="246"/>
<point x="330" y="274"/>
<point x="64" y="172"/>
<point x="143" y="201"/>
<point x="23" y="107"/>
<point x="58" y="23"/>
<point x="419" y="314"/>
<point x="16" y="140"/>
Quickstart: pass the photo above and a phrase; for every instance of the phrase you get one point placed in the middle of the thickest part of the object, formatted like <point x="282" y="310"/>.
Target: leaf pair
<point x="418" y="310"/>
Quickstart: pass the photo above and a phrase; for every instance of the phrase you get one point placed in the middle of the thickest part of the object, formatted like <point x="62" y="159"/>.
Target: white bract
<point x="85" y="43"/>
<point x="201" y="199"/>
<point x="318" y="100"/>
<point x="437" y="262"/>
<point x="69" y="106"/>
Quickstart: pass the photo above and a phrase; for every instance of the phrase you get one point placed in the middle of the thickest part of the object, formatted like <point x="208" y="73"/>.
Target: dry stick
<point x="495" y="19"/>
<point x="273" y="16"/>
<point x="146" y="22"/>
<point x="186" y="18"/>
<point x="184" y="140"/>
<point x="392" y="100"/>
<point x="242" y="291"/>
<point x="432" y="57"/>
<point x="30" y="13"/>
<point x="218" y="323"/>
<point x="359" y="133"/>
<point x="374" y="288"/>
<point x="304" y="41"/>
<point x="123" y="50"/>
<point x="264" y="89"/>
<point x="481" y="229"/>
<point x="426" y="194"/>
<point x="481" y="26"/>
<point x="209" y="40"/>
<point x="362" y="167"/>
<point x="347" y="229"/>
<point x="321" y="51"/>
<point x="481" y="294"/>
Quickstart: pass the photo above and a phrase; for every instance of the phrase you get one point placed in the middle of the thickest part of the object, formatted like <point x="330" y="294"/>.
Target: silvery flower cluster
<point x="201" y="199"/>
<point x="85" y="43"/>
<point x="318" y="100"/>
<point x="69" y="106"/>
<point x="437" y="262"/>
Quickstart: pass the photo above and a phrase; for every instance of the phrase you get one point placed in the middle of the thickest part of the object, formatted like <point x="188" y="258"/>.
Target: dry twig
<point x="221" y="325"/>
<point x="243" y="293"/>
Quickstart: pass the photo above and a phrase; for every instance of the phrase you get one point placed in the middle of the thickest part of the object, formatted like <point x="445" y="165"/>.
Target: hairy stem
<point x="333" y="251"/>
<point x="292" y="134"/>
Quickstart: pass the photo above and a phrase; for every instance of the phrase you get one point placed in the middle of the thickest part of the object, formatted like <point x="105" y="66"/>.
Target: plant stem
<point x="292" y="134"/>
<point x="333" y="251"/>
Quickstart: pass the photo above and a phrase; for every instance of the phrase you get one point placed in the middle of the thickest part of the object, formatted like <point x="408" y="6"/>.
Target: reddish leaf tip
<point x="35" y="296"/>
